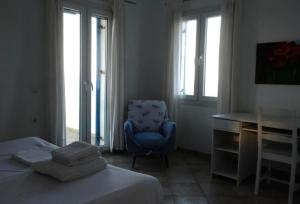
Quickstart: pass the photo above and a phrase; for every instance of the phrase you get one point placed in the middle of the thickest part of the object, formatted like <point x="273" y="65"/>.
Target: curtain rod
<point x="130" y="2"/>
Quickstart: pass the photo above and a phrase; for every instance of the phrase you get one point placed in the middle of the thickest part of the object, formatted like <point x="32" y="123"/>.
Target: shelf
<point x="250" y="128"/>
<point x="253" y="128"/>
<point x="227" y="171"/>
<point x="228" y="148"/>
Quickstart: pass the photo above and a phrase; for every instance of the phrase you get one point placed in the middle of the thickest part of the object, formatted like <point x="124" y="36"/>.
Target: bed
<point x="19" y="184"/>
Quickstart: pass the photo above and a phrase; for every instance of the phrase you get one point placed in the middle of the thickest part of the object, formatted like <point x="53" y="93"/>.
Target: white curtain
<point x="230" y="12"/>
<point x="55" y="74"/>
<point x="172" y="74"/>
<point x="116" y="79"/>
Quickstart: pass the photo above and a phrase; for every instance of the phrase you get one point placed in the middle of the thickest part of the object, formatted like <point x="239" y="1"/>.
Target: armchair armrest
<point x="128" y="128"/>
<point x="168" y="129"/>
<point x="169" y="132"/>
<point x="130" y="141"/>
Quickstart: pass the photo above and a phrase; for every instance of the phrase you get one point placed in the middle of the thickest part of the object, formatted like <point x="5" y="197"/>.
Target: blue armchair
<point x="147" y="129"/>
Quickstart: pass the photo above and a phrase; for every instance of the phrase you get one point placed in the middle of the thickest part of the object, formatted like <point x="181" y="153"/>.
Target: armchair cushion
<point x="147" y="115"/>
<point x="150" y="140"/>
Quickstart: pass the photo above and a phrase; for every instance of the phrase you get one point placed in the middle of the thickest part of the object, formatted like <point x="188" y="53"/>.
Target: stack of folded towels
<point x="71" y="162"/>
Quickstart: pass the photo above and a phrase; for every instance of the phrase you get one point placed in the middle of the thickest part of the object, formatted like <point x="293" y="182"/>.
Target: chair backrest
<point x="147" y="115"/>
<point x="278" y="126"/>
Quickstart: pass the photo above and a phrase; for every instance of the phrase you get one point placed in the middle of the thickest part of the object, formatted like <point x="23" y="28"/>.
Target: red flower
<point x="283" y="54"/>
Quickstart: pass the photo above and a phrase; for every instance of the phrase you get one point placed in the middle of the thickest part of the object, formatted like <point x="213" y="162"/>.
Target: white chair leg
<point x="258" y="172"/>
<point x="292" y="183"/>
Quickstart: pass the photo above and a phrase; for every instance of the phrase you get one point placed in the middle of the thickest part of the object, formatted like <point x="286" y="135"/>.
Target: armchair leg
<point x="133" y="161"/>
<point x="167" y="161"/>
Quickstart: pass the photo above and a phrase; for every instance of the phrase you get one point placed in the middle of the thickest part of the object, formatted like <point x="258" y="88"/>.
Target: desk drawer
<point x="227" y="125"/>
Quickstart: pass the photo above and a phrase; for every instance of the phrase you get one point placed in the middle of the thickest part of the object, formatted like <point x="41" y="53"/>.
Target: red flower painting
<point x="284" y="54"/>
<point x="278" y="63"/>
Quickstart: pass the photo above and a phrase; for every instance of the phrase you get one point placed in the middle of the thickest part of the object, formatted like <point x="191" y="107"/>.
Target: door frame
<point x="86" y="12"/>
<point x="91" y="12"/>
<point x="82" y="89"/>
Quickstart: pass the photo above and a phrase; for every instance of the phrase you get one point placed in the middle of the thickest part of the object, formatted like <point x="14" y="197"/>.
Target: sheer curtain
<point x="172" y="74"/>
<point x="116" y="79"/>
<point x="55" y="75"/>
<point x="231" y="12"/>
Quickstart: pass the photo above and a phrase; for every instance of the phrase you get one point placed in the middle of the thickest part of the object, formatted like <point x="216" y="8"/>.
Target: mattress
<point x="19" y="184"/>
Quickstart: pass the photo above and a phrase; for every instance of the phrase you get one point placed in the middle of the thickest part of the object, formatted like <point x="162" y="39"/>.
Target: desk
<point x="234" y="146"/>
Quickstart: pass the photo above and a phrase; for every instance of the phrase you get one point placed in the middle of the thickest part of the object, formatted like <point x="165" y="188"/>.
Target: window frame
<point x="196" y="80"/>
<point x="201" y="17"/>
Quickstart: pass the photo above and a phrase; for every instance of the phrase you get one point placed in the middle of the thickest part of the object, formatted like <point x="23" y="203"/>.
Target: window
<point x="72" y="64"/>
<point x="188" y="55"/>
<point x="211" y="60"/>
<point x="199" y="57"/>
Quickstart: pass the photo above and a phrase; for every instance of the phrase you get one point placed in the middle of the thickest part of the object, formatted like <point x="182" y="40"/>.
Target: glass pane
<point x="188" y="54"/>
<point x="72" y="73"/>
<point x="211" y="63"/>
<point x="98" y="78"/>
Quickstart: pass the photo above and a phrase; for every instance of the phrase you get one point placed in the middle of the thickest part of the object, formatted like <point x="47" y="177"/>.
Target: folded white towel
<point x="66" y="173"/>
<point x="79" y="161"/>
<point x="74" y="152"/>
<point x="32" y="156"/>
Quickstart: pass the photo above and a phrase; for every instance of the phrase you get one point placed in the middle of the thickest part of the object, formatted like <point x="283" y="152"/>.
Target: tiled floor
<point x="187" y="181"/>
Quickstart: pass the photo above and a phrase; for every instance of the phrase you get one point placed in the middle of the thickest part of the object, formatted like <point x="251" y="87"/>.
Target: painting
<point x="278" y="63"/>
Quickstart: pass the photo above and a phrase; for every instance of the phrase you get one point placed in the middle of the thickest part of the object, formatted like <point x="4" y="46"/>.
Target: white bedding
<point x="19" y="184"/>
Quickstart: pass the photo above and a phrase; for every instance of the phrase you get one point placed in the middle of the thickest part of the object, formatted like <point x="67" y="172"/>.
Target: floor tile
<point x="188" y="180"/>
<point x="168" y="200"/>
<point x="218" y="189"/>
<point x="161" y="176"/>
<point x="167" y="189"/>
<point x="181" y="178"/>
<point x="185" y="189"/>
<point x="226" y="200"/>
<point x="190" y="200"/>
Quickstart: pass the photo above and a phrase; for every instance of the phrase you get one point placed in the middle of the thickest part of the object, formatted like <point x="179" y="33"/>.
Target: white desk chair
<point x="277" y="141"/>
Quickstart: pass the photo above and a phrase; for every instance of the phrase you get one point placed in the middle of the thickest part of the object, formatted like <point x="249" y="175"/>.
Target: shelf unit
<point x="226" y="148"/>
<point x="229" y="172"/>
<point x="234" y="146"/>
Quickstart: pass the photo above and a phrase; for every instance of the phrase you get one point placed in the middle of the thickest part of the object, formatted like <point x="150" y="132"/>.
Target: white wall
<point x="21" y="68"/>
<point x="194" y="128"/>
<point x="146" y="51"/>
<point x="266" y="21"/>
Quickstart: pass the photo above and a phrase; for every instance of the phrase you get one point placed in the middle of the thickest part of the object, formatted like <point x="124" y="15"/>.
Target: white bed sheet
<point x="19" y="184"/>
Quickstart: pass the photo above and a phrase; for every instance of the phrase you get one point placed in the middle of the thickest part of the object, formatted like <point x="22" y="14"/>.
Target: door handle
<point x="200" y="60"/>
<point x="88" y="85"/>
<point x="102" y="72"/>
<point x="92" y="86"/>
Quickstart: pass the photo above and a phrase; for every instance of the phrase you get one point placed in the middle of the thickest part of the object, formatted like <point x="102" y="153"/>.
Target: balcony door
<point x="86" y="46"/>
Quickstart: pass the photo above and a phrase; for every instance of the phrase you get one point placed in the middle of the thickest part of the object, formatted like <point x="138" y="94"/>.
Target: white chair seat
<point x="277" y="137"/>
<point x="276" y="157"/>
<point x="278" y="153"/>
